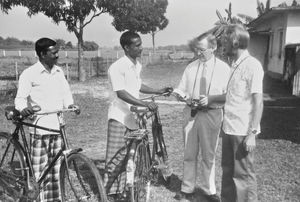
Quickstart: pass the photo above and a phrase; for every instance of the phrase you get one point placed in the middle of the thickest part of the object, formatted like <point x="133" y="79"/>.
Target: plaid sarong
<point x="44" y="149"/>
<point x="115" y="178"/>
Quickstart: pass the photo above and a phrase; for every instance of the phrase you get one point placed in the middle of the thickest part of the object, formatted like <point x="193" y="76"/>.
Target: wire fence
<point x="95" y="63"/>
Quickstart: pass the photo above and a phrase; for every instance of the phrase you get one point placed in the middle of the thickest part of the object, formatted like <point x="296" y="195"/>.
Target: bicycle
<point x="80" y="179"/>
<point x="142" y="164"/>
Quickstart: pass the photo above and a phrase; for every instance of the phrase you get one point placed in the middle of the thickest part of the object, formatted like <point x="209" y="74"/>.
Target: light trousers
<point x="201" y="134"/>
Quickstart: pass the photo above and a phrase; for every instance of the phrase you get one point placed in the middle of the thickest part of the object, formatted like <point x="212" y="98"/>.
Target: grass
<point x="277" y="154"/>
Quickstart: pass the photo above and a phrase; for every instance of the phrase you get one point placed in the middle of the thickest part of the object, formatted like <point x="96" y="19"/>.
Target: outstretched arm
<point x="148" y="90"/>
<point x="127" y="97"/>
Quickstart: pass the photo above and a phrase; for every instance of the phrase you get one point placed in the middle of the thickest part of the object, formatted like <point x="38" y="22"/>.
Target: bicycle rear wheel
<point x="141" y="185"/>
<point x="81" y="180"/>
<point x="12" y="172"/>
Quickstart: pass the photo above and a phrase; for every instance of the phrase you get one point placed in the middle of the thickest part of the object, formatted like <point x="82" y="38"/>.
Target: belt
<point x="206" y="108"/>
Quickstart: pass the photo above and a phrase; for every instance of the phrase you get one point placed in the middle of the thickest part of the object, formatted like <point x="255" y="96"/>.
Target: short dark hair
<point x="43" y="44"/>
<point x="238" y="34"/>
<point x="126" y="38"/>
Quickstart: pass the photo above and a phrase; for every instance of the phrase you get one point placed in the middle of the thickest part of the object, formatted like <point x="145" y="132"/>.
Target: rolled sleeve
<point x="257" y="79"/>
<point x="182" y="87"/>
<point x="117" y="78"/>
<point x="68" y="98"/>
<point x="23" y="92"/>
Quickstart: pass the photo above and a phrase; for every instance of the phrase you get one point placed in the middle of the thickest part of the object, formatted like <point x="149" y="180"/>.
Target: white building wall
<point x="293" y="28"/>
<point x="257" y="47"/>
<point x="276" y="56"/>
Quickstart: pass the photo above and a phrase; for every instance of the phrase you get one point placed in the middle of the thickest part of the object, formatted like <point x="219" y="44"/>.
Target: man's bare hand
<point x="27" y="111"/>
<point x="152" y="106"/>
<point x="167" y="90"/>
<point x="249" y="142"/>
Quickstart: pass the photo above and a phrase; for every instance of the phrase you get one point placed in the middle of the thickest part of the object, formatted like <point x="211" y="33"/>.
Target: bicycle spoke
<point x="12" y="170"/>
<point x="80" y="180"/>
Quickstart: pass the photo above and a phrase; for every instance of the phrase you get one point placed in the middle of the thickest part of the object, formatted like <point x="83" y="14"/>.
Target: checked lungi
<point x="115" y="179"/>
<point x="44" y="149"/>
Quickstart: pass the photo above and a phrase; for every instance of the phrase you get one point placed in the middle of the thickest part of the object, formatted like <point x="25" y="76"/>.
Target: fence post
<point x="68" y="74"/>
<point x="98" y="53"/>
<point x="106" y="62"/>
<point x="16" y="70"/>
<point x="20" y="53"/>
<point x="4" y="54"/>
<point x="150" y="61"/>
<point x="66" y="54"/>
<point x="90" y="69"/>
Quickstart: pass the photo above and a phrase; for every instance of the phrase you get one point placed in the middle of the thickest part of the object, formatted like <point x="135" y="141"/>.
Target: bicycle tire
<point x="81" y="180"/>
<point x="140" y="190"/>
<point x="12" y="168"/>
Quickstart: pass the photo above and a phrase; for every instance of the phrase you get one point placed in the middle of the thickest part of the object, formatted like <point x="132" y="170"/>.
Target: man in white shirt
<point x="242" y="115"/>
<point x="126" y="84"/>
<point x="44" y="84"/>
<point x="204" y="79"/>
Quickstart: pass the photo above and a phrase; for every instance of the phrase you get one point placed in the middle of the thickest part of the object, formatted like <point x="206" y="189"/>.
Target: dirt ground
<point x="277" y="154"/>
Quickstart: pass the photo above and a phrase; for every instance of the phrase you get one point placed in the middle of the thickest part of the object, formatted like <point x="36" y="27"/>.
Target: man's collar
<point x="42" y="68"/>
<point x="208" y="62"/>
<point x="130" y="61"/>
<point x="244" y="54"/>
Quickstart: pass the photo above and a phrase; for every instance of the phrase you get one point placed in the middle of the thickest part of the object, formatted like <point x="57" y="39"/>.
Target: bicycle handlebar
<point x="75" y="109"/>
<point x="155" y="96"/>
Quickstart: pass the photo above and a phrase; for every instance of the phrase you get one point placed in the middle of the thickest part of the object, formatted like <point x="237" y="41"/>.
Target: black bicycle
<point x="146" y="157"/>
<point x="80" y="179"/>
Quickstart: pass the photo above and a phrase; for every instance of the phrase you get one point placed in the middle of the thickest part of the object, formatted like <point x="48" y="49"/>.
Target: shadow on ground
<point x="281" y="116"/>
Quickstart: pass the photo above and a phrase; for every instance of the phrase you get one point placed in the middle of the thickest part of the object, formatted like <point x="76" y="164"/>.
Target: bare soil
<point x="277" y="153"/>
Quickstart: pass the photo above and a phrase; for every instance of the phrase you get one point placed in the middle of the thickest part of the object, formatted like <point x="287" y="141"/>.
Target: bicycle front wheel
<point x="12" y="172"/>
<point x="140" y="192"/>
<point x="81" y="180"/>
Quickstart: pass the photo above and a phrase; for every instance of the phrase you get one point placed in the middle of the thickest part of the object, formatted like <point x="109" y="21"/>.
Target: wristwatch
<point x="253" y="131"/>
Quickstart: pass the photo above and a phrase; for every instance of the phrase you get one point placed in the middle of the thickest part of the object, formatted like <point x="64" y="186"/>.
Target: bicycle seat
<point x="138" y="109"/>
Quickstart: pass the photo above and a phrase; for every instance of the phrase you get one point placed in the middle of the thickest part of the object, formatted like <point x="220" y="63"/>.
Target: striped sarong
<point x="115" y="178"/>
<point x="44" y="149"/>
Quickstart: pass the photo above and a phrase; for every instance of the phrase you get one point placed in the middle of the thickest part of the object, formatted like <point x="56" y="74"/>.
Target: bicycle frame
<point x="64" y="151"/>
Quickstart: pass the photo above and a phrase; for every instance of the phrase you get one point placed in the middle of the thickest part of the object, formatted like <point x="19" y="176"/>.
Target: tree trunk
<point x="153" y="41"/>
<point x="81" y="69"/>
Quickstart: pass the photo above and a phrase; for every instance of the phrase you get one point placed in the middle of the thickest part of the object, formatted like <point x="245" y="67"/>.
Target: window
<point x="280" y="44"/>
<point x="271" y="44"/>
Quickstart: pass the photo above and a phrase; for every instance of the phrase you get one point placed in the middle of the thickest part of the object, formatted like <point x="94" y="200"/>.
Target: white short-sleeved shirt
<point x="124" y="75"/>
<point x="217" y="78"/>
<point x="246" y="79"/>
<point x="49" y="90"/>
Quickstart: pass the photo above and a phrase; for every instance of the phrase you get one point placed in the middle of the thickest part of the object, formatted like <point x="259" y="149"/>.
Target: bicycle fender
<point x="71" y="151"/>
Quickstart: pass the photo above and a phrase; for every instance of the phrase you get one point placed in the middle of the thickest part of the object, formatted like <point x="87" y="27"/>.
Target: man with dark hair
<point x="126" y="84"/>
<point x="44" y="84"/>
<point x="242" y="115"/>
<point x="205" y="80"/>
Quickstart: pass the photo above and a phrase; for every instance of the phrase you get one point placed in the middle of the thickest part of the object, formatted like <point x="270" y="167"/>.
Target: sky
<point x="187" y="19"/>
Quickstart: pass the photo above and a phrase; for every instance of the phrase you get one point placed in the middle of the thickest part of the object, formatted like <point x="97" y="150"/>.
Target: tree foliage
<point x="90" y="46"/>
<point x="261" y="8"/>
<point x="75" y="14"/>
<point x="144" y="16"/>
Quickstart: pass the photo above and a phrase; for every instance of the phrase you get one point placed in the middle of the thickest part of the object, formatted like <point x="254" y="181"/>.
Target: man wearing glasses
<point x="203" y="86"/>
